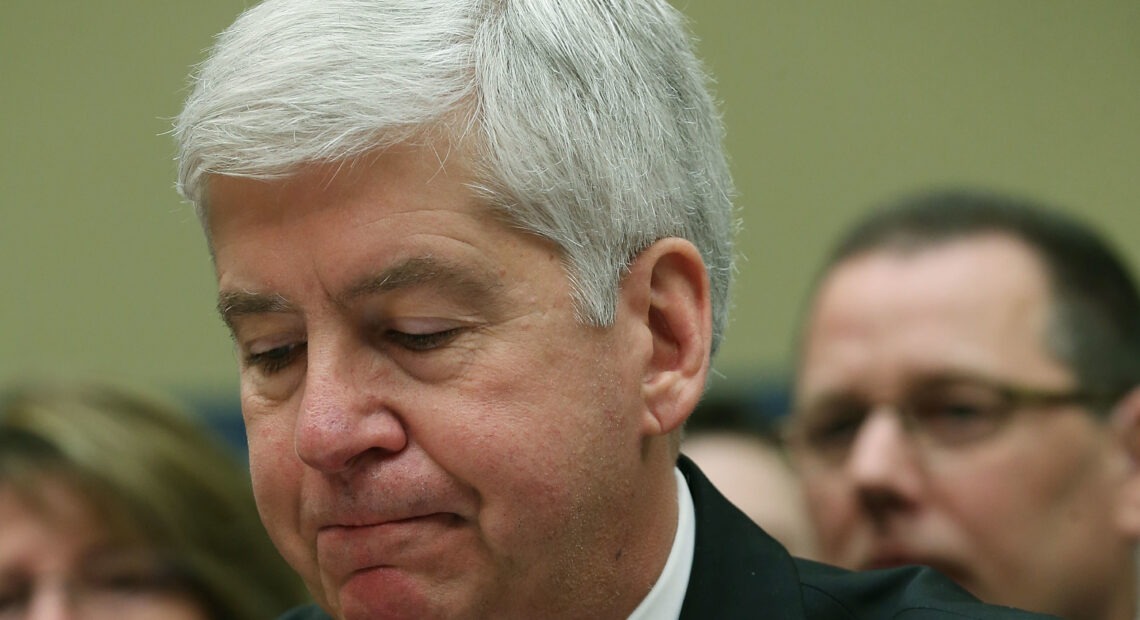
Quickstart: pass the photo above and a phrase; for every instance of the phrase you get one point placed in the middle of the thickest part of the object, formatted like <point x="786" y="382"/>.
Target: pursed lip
<point x="350" y="524"/>
<point x="353" y="545"/>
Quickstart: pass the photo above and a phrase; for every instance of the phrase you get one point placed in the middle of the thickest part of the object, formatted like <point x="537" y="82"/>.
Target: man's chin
<point x="383" y="592"/>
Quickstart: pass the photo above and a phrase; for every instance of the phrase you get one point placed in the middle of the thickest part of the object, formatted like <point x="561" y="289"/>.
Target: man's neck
<point x="668" y="594"/>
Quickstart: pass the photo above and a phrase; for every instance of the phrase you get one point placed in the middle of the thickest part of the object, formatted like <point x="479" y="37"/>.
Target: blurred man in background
<point x="736" y="443"/>
<point x="966" y="399"/>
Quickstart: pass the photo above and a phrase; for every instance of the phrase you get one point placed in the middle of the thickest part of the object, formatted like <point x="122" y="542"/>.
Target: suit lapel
<point x="738" y="570"/>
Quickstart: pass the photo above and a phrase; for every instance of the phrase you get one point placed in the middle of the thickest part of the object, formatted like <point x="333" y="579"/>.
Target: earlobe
<point x="1126" y="426"/>
<point x="1128" y="510"/>
<point x="669" y="290"/>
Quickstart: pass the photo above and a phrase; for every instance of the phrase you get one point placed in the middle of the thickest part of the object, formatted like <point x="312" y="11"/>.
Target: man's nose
<point x="884" y="463"/>
<point x="52" y="603"/>
<point x="346" y="411"/>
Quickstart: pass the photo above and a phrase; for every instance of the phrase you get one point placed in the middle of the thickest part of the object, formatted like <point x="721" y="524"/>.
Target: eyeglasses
<point x="946" y="413"/>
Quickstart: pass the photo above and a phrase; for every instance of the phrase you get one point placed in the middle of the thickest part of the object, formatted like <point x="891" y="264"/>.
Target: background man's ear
<point x="1126" y="425"/>
<point x="668" y="288"/>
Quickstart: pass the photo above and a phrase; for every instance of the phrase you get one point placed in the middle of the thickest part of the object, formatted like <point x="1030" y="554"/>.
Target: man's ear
<point x="1126" y="427"/>
<point x="667" y="292"/>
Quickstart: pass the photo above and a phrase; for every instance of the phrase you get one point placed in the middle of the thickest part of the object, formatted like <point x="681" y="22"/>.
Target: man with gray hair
<point x="475" y="259"/>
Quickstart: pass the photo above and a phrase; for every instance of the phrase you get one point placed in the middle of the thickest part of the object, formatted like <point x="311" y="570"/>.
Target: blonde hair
<point x="153" y="474"/>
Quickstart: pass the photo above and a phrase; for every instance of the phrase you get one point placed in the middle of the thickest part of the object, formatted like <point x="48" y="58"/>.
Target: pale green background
<point x="830" y="106"/>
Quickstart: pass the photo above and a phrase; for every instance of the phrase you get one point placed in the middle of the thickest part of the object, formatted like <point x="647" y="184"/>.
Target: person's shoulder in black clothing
<point x="739" y="572"/>
<point x="906" y="593"/>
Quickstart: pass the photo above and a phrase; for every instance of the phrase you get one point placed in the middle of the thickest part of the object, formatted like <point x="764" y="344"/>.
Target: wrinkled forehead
<point x="969" y="282"/>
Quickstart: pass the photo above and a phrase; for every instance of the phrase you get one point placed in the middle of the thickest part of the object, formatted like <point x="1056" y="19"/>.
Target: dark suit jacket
<point x="739" y="572"/>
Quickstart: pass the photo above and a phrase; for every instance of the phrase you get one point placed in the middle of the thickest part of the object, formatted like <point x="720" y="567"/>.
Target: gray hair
<point x="587" y="122"/>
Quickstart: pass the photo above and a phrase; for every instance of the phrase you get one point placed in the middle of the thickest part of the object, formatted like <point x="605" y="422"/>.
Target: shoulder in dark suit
<point x="740" y="572"/>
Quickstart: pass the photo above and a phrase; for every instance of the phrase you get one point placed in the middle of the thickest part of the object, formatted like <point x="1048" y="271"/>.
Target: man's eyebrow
<point x="826" y="398"/>
<point x="952" y="376"/>
<point x="465" y="282"/>
<point x="234" y="304"/>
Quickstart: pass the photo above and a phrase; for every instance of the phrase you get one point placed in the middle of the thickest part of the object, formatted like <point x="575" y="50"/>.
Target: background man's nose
<point x="885" y="464"/>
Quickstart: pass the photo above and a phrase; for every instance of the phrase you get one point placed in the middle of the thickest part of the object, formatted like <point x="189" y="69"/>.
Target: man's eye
<point x="955" y="411"/>
<point x="275" y="359"/>
<point x="14" y="598"/>
<point x="957" y="420"/>
<point x="958" y="406"/>
<point x="836" y="428"/>
<point x="422" y="342"/>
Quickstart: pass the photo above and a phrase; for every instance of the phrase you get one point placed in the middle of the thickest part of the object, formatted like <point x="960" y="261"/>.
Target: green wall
<point x="830" y="106"/>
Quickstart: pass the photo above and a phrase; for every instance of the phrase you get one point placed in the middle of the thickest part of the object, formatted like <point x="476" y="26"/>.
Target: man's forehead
<point x="344" y="195"/>
<point x="978" y="282"/>
<point x="889" y="347"/>
<point x="951" y="261"/>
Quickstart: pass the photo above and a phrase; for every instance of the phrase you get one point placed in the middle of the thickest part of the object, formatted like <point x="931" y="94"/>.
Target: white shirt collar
<point x="668" y="594"/>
